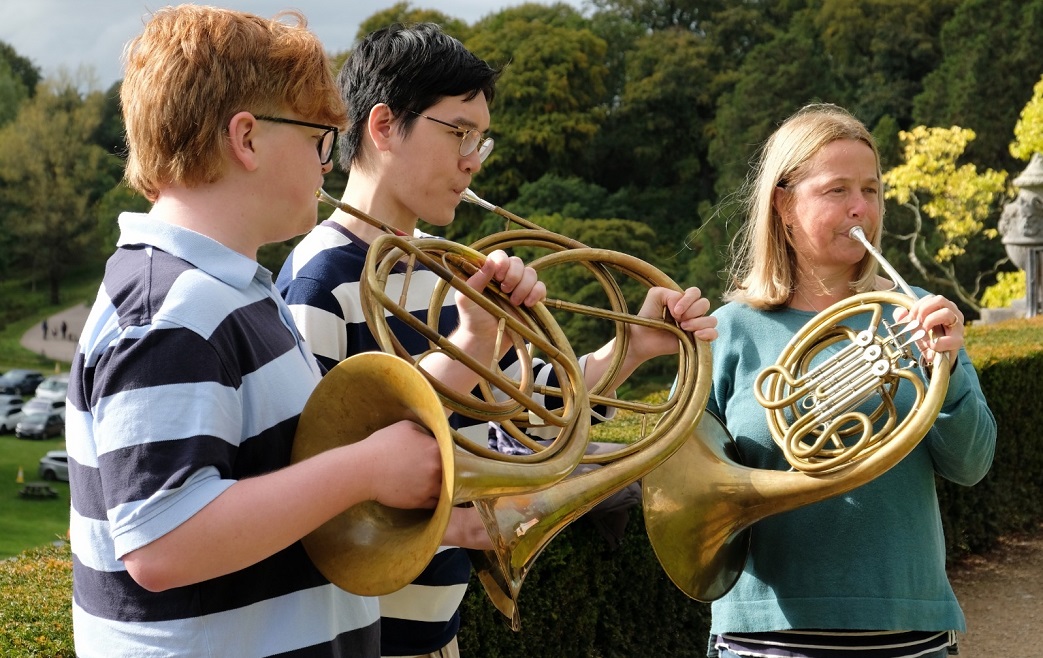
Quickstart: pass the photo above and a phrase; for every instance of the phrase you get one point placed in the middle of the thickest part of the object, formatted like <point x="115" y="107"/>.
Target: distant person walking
<point x="65" y="328"/>
<point x="44" y="326"/>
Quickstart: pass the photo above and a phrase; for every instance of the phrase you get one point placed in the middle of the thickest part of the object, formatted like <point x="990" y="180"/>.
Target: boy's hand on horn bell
<point x="405" y="466"/>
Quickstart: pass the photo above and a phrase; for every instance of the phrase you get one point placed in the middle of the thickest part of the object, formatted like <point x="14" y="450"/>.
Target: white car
<point x="53" y="388"/>
<point x="43" y="405"/>
<point x="9" y="417"/>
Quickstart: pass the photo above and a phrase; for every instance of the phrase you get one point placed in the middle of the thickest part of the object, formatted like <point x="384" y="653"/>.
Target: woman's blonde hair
<point x="194" y="67"/>
<point x="763" y="263"/>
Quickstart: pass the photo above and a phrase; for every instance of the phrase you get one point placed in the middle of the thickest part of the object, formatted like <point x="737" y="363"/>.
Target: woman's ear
<point x="242" y="133"/>
<point x="780" y="203"/>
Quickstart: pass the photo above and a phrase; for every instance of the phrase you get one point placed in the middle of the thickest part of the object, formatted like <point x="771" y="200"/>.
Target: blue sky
<point x="70" y="34"/>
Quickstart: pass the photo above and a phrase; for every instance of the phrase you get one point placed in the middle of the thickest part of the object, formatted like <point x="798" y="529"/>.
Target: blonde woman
<point x="863" y="573"/>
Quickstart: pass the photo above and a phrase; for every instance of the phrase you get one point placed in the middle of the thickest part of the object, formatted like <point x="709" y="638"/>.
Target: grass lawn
<point x="28" y="523"/>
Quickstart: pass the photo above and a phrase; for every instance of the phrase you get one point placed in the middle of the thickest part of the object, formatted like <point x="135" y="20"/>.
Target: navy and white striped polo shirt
<point x="190" y="376"/>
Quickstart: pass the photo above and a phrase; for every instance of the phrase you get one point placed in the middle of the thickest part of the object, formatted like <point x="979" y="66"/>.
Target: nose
<point x="859" y="206"/>
<point x="471" y="163"/>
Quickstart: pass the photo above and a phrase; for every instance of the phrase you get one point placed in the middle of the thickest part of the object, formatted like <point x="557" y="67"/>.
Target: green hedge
<point x="1009" y="360"/>
<point x="584" y="597"/>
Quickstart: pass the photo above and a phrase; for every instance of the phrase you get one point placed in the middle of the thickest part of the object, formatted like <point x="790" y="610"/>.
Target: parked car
<point x="55" y="465"/>
<point x="20" y="381"/>
<point x="9" y="417"/>
<point x="40" y="426"/>
<point x="53" y="388"/>
<point x="42" y="405"/>
<point x="10" y="400"/>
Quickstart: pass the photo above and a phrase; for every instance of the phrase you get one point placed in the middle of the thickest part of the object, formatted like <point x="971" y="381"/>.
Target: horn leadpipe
<point x="857" y="233"/>
<point x="327" y="198"/>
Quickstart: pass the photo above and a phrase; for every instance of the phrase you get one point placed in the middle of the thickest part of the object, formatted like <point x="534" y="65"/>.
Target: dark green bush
<point x="583" y="598"/>
<point x="1009" y="360"/>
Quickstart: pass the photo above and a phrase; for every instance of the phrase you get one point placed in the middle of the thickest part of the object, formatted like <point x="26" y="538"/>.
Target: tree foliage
<point x="957" y="198"/>
<point x="51" y="175"/>
<point x="21" y="67"/>
<point x="402" y="12"/>
<point x="991" y="58"/>
<point x="649" y="111"/>
<point x="12" y="93"/>
<point x="1028" y="131"/>
<point x="548" y="103"/>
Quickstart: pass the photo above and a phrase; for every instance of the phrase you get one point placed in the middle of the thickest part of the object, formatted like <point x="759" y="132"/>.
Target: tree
<point x="663" y="14"/>
<point x="51" y="175"/>
<point x="401" y="12"/>
<point x="21" y="67"/>
<point x="776" y="79"/>
<point x="990" y="60"/>
<point x="882" y="70"/>
<point x="12" y="93"/>
<point x="111" y="134"/>
<point x="957" y="199"/>
<point x="549" y="101"/>
<point x="656" y="135"/>
<point x="1028" y="132"/>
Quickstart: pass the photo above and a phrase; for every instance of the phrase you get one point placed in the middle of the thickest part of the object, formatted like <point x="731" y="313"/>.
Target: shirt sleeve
<point x="962" y="440"/>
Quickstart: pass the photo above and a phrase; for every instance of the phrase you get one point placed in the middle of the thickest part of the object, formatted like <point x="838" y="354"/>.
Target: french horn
<point x="700" y="504"/>
<point x="388" y="548"/>
<point x="523" y="525"/>
<point x="524" y="500"/>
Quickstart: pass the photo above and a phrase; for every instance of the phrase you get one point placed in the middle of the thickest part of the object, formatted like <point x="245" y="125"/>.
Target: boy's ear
<point x="380" y="126"/>
<point x="242" y="133"/>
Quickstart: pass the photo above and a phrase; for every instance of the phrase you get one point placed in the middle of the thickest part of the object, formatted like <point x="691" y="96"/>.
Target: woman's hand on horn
<point x="943" y="322"/>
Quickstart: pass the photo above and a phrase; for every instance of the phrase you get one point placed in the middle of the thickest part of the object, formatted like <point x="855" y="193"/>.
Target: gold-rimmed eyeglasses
<point x="470" y="139"/>
<point x="327" y="140"/>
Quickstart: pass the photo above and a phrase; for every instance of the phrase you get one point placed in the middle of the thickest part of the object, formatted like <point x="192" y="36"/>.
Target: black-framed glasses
<point x="327" y="140"/>
<point x="470" y="139"/>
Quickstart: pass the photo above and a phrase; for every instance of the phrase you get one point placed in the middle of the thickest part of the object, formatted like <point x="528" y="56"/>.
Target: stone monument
<point x="1021" y="225"/>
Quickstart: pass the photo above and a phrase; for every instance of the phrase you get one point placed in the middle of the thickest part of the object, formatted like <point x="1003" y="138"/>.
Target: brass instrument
<point x="699" y="505"/>
<point x="522" y="525"/>
<point x="522" y="499"/>
<point x="390" y="548"/>
<point x="362" y="394"/>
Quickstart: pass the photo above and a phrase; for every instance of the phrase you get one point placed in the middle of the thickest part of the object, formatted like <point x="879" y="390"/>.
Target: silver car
<point x="9" y="418"/>
<point x="53" y="388"/>
<point x="55" y="465"/>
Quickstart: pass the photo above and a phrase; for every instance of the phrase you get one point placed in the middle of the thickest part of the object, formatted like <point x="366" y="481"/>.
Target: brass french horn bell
<point x="359" y="396"/>
<point x="700" y="504"/>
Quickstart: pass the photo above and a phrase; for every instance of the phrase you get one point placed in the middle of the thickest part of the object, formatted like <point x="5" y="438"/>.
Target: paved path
<point x="54" y="347"/>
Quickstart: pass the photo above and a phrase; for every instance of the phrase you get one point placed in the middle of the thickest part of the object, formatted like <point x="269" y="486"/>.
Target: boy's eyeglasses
<point x="470" y="139"/>
<point x="327" y="140"/>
